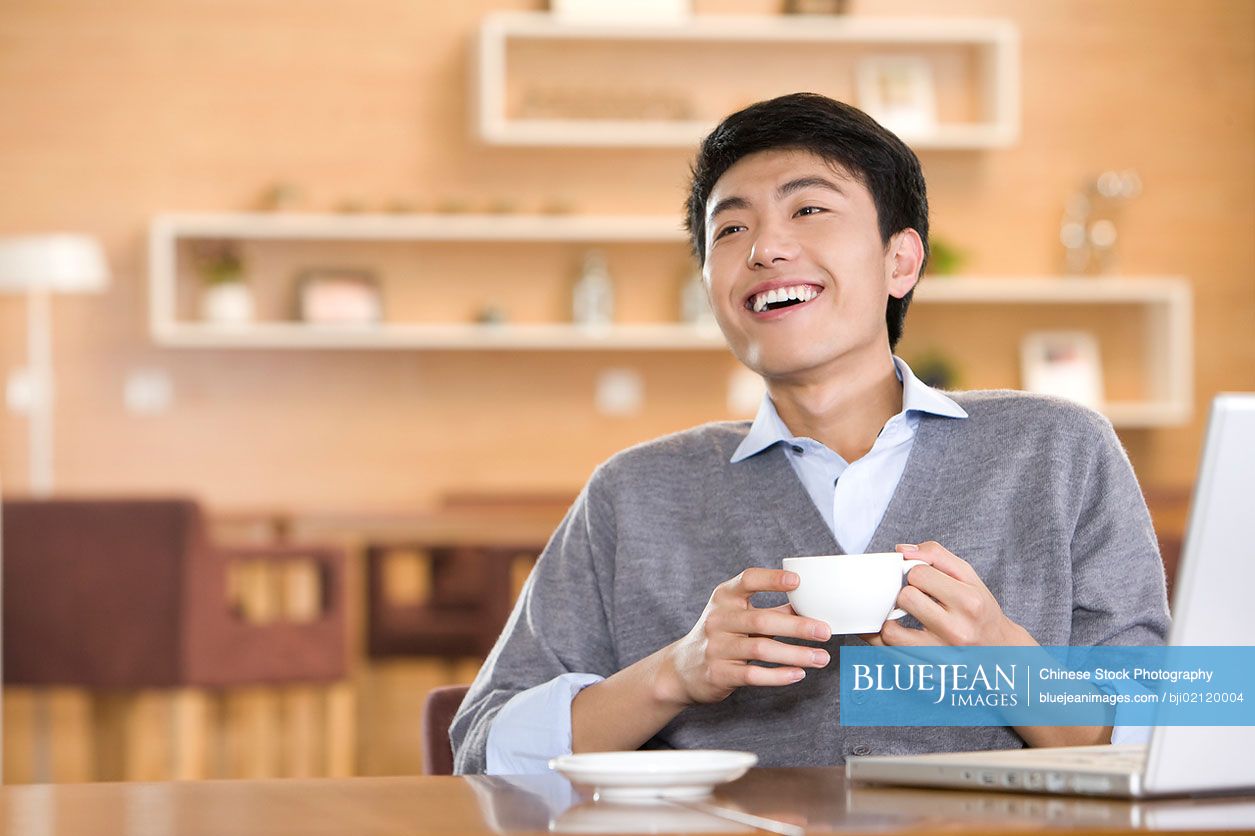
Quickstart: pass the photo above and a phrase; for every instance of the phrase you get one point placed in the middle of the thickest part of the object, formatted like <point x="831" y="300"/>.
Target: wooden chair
<point x="459" y="570"/>
<point x="438" y="711"/>
<point x="1169" y="508"/>
<point x="457" y="612"/>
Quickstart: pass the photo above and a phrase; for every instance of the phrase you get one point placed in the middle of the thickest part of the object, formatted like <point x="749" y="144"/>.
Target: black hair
<point x="837" y="132"/>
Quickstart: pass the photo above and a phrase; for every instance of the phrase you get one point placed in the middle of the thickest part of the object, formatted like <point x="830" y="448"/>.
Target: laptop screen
<point x="1214" y="601"/>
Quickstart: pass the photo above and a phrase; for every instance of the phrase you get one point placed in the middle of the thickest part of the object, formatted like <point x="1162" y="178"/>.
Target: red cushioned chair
<point x="123" y="595"/>
<point x="438" y="711"/>
<point x="130" y="594"/>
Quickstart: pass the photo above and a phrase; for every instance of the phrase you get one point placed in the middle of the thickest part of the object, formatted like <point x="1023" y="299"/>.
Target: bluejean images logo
<point x="956" y="684"/>
<point x="1047" y="686"/>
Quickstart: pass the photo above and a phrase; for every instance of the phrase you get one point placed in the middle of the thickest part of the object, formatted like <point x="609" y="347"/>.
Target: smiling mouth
<point x="782" y="297"/>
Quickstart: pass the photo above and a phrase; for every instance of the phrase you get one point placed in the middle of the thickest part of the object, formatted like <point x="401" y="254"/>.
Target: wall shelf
<point x="1165" y="303"/>
<point x="984" y="49"/>
<point x="449" y="227"/>
<point x="557" y="337"/>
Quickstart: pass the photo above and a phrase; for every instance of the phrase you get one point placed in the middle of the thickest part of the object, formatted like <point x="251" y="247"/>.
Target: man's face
<point x="797" y="274"/>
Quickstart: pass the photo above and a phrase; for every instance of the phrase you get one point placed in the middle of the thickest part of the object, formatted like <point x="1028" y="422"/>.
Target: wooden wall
<point x="111" y="112"/>
<point x="114" y="111"/>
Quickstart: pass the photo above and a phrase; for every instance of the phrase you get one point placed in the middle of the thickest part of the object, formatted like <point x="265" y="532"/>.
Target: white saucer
<point x="663" y="773"/>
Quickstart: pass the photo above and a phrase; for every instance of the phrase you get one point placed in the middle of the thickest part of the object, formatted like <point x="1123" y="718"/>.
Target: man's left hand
<point x="951" y="602"/>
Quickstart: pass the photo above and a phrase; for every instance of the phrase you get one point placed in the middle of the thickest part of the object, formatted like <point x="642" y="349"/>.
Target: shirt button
<point x="861" y="750"/>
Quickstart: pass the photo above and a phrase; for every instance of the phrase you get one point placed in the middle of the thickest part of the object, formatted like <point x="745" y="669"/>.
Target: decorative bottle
<point x="592" y="302"/>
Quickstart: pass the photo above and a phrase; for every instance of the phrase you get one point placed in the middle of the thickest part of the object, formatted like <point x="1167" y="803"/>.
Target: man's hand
<point x="951" y="602"/>
<point x="956" y="608"/>
<point x="713" y="660"/>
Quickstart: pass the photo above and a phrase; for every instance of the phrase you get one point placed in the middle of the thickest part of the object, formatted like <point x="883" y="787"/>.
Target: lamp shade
<point x="57" y="263"/>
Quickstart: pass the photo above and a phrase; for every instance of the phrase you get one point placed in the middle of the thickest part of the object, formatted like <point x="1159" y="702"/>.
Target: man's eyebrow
<point x="784" y="190"/>
<point x="726" y="204"/>
<point x="800" y="183"/>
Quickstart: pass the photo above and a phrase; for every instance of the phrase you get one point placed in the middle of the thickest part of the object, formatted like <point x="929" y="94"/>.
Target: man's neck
<point x="846" y="409"/>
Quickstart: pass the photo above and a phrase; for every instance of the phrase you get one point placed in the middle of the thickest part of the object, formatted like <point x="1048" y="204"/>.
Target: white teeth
<point x="800" y="293"/>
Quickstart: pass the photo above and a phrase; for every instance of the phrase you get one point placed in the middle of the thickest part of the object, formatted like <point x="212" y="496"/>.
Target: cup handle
<point x="907" y="565"/>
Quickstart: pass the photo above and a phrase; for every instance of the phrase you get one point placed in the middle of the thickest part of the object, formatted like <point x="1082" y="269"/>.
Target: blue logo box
<point x="1047" y="686"/>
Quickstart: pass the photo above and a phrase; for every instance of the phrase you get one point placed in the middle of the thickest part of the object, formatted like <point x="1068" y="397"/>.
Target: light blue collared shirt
<point x="535" y="725"/>
<point x="852" y="496"/>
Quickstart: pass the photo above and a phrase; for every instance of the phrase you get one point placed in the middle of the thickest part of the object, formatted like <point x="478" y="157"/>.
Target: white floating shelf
<point x="1145" y="414"/>
<point x="449" y="227"/>
<point x="996" y="40"/>
<point x="1167" y="301"/>
<point x="560" y="337"/>
<point x="1051" y="290"/>
<point x="731" y="28"/>
<point x="1169" y="345"/>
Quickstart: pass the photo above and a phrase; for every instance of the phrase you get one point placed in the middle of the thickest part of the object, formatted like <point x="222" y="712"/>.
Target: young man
<point x="645" y="618"/>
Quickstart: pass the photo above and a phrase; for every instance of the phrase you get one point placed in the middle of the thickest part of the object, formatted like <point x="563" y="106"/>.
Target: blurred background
<point x="349" y="300"/>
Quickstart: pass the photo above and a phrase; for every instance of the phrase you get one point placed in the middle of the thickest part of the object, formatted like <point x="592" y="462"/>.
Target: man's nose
<point x="772" y="246"/>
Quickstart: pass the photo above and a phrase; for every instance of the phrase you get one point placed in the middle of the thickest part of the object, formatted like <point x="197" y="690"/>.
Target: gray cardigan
<point x="1036" y="493"/>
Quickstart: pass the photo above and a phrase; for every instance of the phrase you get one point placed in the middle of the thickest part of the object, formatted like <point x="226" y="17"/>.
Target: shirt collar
<point x="917" y="396"/>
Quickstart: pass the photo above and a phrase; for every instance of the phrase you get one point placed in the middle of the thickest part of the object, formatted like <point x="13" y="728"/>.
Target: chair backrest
<point x="92" y="590"/>
<point x="461" y="614"/>
<point x="120" y="593"/>
<point x="438" y="710"/>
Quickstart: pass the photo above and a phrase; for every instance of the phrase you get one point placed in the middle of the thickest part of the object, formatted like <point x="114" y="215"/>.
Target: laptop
<point x="1211" y="606"/>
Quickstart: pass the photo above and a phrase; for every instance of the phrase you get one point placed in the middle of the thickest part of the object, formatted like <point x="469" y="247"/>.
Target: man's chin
<point x="803" y="361"/>
<point x="784" y="369"/>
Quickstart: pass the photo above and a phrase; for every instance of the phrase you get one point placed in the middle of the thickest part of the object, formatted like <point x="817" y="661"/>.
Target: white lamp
<point x="40" y="265"/>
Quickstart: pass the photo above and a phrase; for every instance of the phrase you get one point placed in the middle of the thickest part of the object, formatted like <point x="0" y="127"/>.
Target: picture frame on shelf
<point x="329" y="296"/>
<point x="1063" y="363"/>
<point x="816" y="7"/>
<point x="898" y="91"/>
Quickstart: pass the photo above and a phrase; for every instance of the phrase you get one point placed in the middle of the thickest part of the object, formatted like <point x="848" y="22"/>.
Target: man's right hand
<point x="713" y="660"/>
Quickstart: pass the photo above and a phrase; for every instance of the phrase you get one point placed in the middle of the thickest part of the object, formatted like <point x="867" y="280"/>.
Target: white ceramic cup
<point x="853" y="593"/>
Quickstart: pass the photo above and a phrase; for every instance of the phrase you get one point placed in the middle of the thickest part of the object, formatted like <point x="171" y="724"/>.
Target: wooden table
<point x="817" y="799"/>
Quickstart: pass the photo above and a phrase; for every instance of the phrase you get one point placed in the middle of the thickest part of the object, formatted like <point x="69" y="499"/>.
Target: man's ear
<point x="903" y="258"/>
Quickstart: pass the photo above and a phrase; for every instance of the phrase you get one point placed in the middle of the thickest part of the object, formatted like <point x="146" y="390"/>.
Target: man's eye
<point x="727" y="229"/>
<point x="811" y="210"/>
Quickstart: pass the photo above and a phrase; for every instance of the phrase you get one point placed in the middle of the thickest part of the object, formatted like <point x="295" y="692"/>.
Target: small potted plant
<point x="935" y="368"/>
<point x="225" y="298"/>
<point x="945" y="258"/>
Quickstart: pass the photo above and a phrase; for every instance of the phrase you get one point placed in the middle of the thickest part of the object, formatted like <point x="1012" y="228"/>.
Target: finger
<point x="759" y="649"/>
<point x="942" y="558"/>
<point x="932" y="615"/>
<point x="772" y="621"/>
<point x="967" y="606"/>
<point x="873" y="639"/>
<point x="731" y="674"/>
<point x="946" y="589"/>
<point x="894" y="634"/>
<point x="758" y="580"/>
